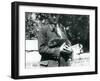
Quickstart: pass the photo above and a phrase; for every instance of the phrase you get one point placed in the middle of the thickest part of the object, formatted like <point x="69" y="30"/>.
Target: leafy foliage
<point x="77" y="26"/>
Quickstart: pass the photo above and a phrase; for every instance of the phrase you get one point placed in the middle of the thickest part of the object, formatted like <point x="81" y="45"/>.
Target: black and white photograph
<point x="56" y="40"/>
<point x="53" y="40"/>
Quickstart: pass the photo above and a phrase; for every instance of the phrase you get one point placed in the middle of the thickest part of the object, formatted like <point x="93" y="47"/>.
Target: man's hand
<point x="66" y="48"/>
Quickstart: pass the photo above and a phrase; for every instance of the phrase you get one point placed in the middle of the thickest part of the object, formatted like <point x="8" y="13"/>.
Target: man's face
<point x="54" y="18"/>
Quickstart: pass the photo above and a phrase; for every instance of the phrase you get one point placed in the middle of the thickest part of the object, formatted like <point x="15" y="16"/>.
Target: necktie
<point x="59" y="32"/>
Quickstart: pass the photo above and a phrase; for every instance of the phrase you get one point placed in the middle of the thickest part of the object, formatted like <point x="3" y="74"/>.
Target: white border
<point x="38" y="71"/>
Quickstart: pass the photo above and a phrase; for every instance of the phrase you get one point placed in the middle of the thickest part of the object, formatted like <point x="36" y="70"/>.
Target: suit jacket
<point x="49" y="50"/>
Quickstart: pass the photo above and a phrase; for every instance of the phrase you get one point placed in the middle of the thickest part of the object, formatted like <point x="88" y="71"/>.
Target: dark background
<point x="77" y="27"/>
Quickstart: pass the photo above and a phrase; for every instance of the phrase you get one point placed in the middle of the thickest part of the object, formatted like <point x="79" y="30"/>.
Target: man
<point x="53" y="44"/>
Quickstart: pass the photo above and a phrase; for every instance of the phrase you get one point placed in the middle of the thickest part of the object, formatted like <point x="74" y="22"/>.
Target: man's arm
<point x="43" y="44"/>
